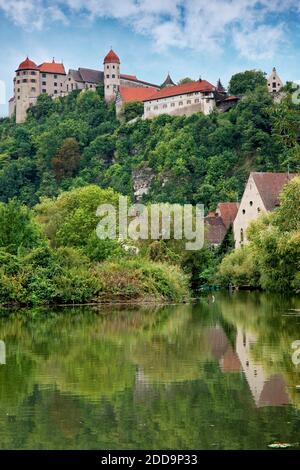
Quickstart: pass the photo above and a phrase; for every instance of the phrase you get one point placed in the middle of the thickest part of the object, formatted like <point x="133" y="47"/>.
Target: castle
<point x="32" y="80"/>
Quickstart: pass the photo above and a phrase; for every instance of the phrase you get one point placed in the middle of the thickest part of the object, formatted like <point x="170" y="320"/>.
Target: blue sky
<point x="214" y="38"/>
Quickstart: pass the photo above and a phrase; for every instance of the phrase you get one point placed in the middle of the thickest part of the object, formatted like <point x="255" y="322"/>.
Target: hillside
<point x="74" y="141"/>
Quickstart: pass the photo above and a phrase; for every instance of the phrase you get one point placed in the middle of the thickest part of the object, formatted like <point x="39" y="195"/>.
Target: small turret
<point x="220" y="88"/>
<point x="168" y="82"/>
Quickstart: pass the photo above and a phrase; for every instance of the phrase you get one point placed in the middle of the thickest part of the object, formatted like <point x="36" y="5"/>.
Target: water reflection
<point x="212" y="375"/>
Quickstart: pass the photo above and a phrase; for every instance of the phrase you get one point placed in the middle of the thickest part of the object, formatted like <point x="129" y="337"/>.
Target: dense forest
<point x="72" y="153"/>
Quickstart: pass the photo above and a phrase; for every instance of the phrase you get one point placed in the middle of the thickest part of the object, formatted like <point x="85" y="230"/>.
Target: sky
<point x="208" y="38"/>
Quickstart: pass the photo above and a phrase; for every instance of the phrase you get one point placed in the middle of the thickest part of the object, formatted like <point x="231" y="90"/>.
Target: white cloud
<point x="197" y="24"/>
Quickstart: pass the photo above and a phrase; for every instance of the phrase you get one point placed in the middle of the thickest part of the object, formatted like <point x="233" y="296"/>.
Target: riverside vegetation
<point x="72" y="154"/>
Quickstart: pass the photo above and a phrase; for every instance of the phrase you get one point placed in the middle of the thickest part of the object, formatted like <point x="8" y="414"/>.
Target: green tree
<point x="66" y="161"/>
<point x="18" y="231"/>
<point x="243" y="82"/>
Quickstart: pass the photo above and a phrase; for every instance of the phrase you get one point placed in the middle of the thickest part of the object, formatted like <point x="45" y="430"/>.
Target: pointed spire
<point x="220" y="87"/>
<point x="168" y="81"/>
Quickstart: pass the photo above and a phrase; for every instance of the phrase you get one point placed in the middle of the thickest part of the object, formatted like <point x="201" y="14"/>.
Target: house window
<point x="148" y="108"/>
<point x="44" y="83"/>
<point x="55" y="84"/>
<point x="55" y="92"/>
<point x="33" y="89"/>
<point x="18" y="97"/>
<point x="197" y="100"/>
<point x="251" y="203"/>
<point x="18" y="90"/>
<point x="155" y="107"/>
<point x="33" y="80"/>
<point x="44" y="75"/>
<point x="18" y="73"/>
<point x="44" y="91"/>
<point x="258" y="209"/>
<point x="180" y="103"/>
<point x="242" y="235"/>
<point x="188" y="102"/>
<point x="243" y="211"/>
<point x="107" y="76"/>
<point x="55" y="76"/>
<point x="113" y="66"/>
<point x="113" y="76"/>
<point x="24" y="80"/>
<point x="18" y="81"/>
<point x="165" y="106"/>
<point x="33" y="73"/>
<point x="172" y="105"/>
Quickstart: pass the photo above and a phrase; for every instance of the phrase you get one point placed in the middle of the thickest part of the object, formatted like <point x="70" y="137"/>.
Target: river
<point x="220" y="374"/>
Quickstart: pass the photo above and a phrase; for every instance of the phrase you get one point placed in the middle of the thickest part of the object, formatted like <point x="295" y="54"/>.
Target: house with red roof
<point x="218" y="223"/>
<point x="178" y="100"/>
<point x="261" y="195"/>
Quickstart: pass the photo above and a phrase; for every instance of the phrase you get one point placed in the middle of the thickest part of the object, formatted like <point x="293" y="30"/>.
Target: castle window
<point x="180" y="103"/>
<point x="18" y="81"/>
<point x="44" y="91"/>
<point x="18" y="90"/>
<point x="251" y="203"/>
<point x="44" y="75"/>
<point x="33" y="89"/>
<point x="258" y="209"/>
<point x="172" y="105"/>
<point x="24" y="80"/>
<point x="197" y="100"/>
<point x="243" y="211"/>
<point x="107" y="86"/>
<point x="155" y="107"/>
<point x="18" y="97"/>
<point x="55" y="84"/>
<point x="113" y="76"/>
<point x="33" y="80"/>
<point x="44" y="83"/>
<point x="18" y="73"/>
<point x="165" y="106"/>
<point x="242" y="235"/>
<point x="91" y="86"/>
<point x="107" y="76"/>
<point x="55" y="76"/>
<point x="113" y="66"/>
<point x="148" y="109"/>
<point x="188" y="102"/>
<point x="55" y="92"/>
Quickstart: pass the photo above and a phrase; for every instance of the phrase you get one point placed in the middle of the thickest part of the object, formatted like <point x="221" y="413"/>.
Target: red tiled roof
<point x="52" y="67"/>
<point x="232" y="98"/>
<point x="227" y="211"/>
<point x="135" y="93"/>
<point x="176" y="90"/>
<point x="130" y="77"/>
<point x="216" y="229"/>
<point x="27" y="64"/>
<point x="111" y="57"/>
<point x="270" y="185"/>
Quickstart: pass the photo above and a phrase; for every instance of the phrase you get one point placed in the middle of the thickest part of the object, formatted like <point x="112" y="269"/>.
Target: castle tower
<point x="274" y="82"/>
<point x="111" y="75"/>
<point x="26" y="88"/>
